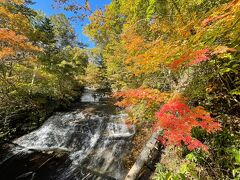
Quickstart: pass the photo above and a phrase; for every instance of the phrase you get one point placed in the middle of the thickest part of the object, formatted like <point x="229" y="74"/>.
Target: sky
<point x="46" y="7"/>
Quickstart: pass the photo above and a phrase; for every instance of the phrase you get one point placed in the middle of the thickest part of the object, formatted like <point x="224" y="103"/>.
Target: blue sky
<point x="46" y="7"/>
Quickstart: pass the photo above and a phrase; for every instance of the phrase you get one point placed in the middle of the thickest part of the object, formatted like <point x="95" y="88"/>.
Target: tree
<point x="177" y="121"/>
<point x="94" y="76"/>
<point x="63" y="31"/>
<point x="41" y="66"/>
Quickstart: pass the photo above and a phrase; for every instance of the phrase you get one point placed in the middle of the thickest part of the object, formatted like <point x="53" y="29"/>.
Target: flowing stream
<point x="89" y="142"/>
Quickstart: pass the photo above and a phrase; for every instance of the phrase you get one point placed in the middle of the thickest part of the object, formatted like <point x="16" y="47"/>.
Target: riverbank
<point x="142" y="135"/>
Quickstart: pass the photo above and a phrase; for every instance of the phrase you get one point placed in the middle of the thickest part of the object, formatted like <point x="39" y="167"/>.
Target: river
<point x="89" y="142"/>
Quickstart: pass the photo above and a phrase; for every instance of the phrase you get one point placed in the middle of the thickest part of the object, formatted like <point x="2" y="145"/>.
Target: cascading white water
<point x="96" y="141"/>
<point x="90" y="96"/>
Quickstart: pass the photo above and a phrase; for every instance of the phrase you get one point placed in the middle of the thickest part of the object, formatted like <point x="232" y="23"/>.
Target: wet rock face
<point x="54" y="164"/>
<point x="34" y="165"/>
<point x="72" y="145"/>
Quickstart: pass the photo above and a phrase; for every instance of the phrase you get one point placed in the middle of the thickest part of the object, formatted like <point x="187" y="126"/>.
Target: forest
<point x="172" y="65"/>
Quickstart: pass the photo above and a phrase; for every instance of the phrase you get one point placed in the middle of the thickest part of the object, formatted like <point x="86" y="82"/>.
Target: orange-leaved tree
<point x="141" y="103"/>
<point x="190" y="58"/>
<point x="14" y="44"/>
<point x="133" y="96"/>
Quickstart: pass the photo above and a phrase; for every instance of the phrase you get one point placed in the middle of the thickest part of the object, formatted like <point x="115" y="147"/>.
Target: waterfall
<point x="96" y="141"/>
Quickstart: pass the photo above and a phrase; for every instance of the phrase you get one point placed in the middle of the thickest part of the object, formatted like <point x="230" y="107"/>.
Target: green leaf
<point x="235" y="92"/>
<point x="236" y="173"/>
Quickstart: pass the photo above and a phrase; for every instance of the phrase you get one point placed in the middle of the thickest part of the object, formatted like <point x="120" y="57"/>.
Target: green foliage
<point x="187" y="170"/>
<point x="94" y="76"/>
<point x="162" y="173"/>
<point x="63" y="32"/>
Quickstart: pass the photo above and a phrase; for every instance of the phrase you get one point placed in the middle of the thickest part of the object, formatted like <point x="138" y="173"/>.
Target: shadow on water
<point x="87" y="143"/>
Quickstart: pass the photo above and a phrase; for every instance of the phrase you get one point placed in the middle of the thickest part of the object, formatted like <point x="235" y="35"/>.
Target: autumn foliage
<point x="14" y="29"/>
<point x="171" y="47"/>
<point x="13" y="43"/>
<point x="190" y="58"/>
<point x="41" y="66"/>
<point x="228" y="11"/>
<point x="175" y="117"/>
<point x="177" y="120"/>
<point x="133" y="96"/>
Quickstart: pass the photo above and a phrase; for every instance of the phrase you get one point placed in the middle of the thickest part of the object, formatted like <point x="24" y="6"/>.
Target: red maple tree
<point x="177" y="120"/>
